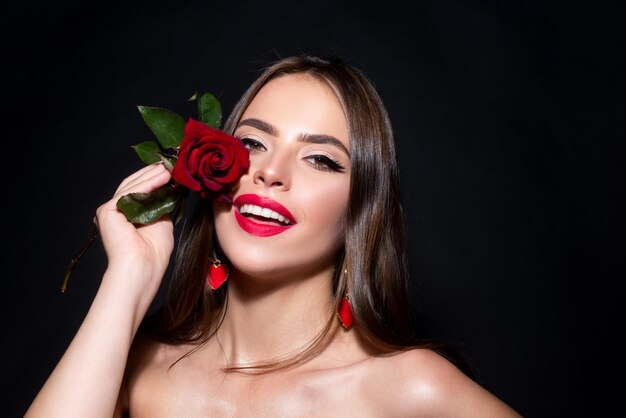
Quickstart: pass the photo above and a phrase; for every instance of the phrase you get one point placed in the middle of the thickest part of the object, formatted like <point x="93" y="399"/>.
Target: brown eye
<point x="253" y="145"/>
<point x="325" y="163"/>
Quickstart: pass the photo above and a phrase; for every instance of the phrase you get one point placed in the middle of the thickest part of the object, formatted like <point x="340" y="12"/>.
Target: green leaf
<point x="210" y="110"/>
<point x="167" y="161"/>
<point x="148" y="151"/>
<point x="167" y="126"/>
<point x="145" y="208"/>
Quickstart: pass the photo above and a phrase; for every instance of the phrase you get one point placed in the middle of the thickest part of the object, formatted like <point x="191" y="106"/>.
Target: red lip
<point x="259" y="229"/>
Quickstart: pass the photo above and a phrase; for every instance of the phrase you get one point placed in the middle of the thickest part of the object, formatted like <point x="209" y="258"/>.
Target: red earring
<point x="217" y="274"/>
<point x="345" y="312"/>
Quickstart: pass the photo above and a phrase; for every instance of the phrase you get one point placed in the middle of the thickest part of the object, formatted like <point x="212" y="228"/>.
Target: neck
<point x="267" y="321"/>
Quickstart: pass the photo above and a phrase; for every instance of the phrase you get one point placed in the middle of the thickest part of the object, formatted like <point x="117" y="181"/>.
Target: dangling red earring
<point x="217" y="274"/>
<point x="345" y="312"/>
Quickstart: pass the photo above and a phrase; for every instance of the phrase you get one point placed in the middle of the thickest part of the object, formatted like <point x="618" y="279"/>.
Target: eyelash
<point x="252" y="144"/>
<point x="318" y="161"/>
<point x="325" y="163"/>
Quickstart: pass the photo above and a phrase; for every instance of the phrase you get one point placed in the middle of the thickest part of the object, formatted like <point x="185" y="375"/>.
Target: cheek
<point x="325" y="207"/>
<point x="221" y="213"/>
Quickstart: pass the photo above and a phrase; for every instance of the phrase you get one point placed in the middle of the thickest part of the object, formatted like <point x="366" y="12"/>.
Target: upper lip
<point x="264" y="202"/>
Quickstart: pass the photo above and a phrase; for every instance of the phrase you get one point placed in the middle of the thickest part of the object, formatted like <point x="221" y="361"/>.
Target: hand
<point x="140" y="254"/>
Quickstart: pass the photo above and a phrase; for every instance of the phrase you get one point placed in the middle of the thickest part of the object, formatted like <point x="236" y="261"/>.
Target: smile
<point x="263" y="212"/>
<point x="261" y="216"/>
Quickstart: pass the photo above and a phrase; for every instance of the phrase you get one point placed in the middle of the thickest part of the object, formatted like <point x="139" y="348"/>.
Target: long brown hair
<point x="373" y="254"/>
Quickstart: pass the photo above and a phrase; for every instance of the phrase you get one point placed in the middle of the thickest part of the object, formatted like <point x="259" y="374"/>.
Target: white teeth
<point x="264" y="212"/>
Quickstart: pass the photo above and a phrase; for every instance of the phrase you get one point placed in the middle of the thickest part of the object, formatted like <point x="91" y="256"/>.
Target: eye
<point x="325" y="163"/>
<point x="253" y="145"/>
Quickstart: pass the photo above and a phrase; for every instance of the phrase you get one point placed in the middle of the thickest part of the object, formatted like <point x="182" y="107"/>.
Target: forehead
<point x="299" y="103"/>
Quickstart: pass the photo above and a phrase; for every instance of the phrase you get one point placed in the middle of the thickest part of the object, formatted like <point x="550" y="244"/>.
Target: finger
<point x="143" y="181"/>
<point x="146" y="183"/>
<point x="157" y="174"/>
<point x="137" y="175"/>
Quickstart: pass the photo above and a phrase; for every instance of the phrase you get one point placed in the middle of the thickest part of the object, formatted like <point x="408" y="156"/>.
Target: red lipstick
<point x="259" y="229"/>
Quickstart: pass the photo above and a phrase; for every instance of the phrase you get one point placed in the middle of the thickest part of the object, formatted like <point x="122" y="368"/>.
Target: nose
<point x="273" y="172"/>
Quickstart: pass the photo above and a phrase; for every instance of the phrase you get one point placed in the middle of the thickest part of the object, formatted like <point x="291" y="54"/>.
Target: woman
<point x="315" y="225"/>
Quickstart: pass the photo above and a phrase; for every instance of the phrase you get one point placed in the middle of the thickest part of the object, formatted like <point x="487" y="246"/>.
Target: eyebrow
<point x="308" y="138"/>
<point x="258" y="124"/>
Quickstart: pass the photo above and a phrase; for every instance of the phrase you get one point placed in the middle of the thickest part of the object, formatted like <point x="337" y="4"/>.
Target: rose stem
<point x="70" y="268"/>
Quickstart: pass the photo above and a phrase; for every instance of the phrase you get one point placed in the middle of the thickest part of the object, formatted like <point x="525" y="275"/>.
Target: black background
<point x="509" y="122"/>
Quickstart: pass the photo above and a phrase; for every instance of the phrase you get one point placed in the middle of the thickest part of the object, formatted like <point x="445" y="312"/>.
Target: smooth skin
<point x="279" y="297"/>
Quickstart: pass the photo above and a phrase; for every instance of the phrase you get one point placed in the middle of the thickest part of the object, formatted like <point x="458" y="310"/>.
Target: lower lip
<point x="257" y="229"/>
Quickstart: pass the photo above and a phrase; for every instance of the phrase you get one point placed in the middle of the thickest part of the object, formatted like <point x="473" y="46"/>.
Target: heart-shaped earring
<point x="217" y="274"/>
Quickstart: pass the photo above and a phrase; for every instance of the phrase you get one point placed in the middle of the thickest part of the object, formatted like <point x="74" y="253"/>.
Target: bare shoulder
<point x="144" y="351"/>
<point x="148" y="354"/>
<point x="149" y="385"/>
<point x="420" y="382"/>
<point x="150" y="361"/>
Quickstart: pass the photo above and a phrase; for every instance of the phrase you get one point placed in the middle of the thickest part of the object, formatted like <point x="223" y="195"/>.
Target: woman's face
<point x="288" y="213"/>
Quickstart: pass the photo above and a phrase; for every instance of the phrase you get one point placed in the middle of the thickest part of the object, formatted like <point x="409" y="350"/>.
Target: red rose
<point x="210" y="161"/>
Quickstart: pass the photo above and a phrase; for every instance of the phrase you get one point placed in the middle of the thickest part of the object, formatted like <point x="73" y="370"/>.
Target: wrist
<point x="132" y="287"/>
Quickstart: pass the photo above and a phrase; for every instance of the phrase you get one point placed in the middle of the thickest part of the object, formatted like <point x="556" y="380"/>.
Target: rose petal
<point x="209" y="159"/>
<point x="181" y="175"/>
